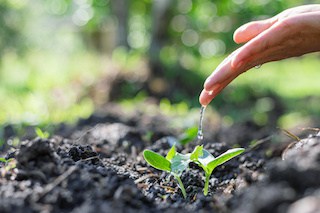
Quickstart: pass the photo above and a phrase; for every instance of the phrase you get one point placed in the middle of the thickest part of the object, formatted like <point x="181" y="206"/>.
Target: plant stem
<point x="206" y="184"/>
<point x="181" y="186"/>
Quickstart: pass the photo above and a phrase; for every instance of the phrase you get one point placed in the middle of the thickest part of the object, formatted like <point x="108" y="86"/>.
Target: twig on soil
<point x="141" y="169"/>
<point x="193" y="199"/>
<point x="49" y="187"/>
<point x="291" y="135"/>
<point x="258" y="143"/>
<point x="311" y="128"/>
<point x="144" y="178"/>
<point x="169" y="189"/>
<point x="317" y="130"/>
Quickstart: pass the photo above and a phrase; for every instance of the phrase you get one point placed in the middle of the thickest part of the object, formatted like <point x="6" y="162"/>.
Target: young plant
<point x="41" y="134"/>
<point x="208" y="162"/>
<point x="174" y="163"/>
<point x="3" y="160"/>
<point x="188" y="135"/>
<point x="6" y="161"/>
<point x="9" y="164"/>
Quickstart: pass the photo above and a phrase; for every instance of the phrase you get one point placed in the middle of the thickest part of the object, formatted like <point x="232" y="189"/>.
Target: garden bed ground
<point x="98" y="167"/>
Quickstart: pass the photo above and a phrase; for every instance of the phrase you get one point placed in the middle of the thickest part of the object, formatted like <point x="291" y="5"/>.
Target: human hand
<point x="293" y="32"/>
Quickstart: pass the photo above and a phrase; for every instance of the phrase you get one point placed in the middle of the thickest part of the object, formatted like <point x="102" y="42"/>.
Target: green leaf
<point x="197" y="152"/>
<point x="224" y="158"/>
<point x="41" y="134"/>
<point x="189" y="135"/>
<point x="157" y="161"/>
<point x="171" y="153"/>
<point x="3" y="160"/>
<point x="179" y="163"/>
<point x="206" y="158"/>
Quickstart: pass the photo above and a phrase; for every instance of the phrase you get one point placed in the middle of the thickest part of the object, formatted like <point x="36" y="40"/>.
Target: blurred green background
<point x="62" y="60"/>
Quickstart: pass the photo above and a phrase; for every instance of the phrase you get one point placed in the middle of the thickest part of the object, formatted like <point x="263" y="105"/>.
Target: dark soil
<point x="98" y="167"/>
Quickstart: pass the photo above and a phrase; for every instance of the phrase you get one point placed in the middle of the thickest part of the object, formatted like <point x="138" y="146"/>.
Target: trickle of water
<point x="258" y="66"/>
<point x="200" y="133"/>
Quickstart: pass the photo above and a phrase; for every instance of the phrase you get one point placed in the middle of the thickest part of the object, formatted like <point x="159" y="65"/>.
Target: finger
<point x="222" y="72"/>
<point x="207" y="96"/>
<point x="257" y="48"/>
<point x="248" y="31"/>
<point x="217" y="77"/>
<point x="299" y="10"/>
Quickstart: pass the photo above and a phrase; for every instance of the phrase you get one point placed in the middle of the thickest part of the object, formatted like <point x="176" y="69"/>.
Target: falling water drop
<point x="200" y="133"/>
<point x="258" y="66"/>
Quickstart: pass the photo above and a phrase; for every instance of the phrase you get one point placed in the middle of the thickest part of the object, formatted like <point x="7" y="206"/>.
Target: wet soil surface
<point x="98" y="167"/>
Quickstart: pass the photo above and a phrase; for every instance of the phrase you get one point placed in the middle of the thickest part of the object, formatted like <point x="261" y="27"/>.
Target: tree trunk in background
<point x="160" y="24"/>
<point x="120" y="9"/>
<point x="161" y="16"/>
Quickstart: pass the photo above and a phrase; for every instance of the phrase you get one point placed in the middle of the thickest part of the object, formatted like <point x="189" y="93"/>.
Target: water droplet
<point x="258" y="66"/>
<point x="200" y="133"/>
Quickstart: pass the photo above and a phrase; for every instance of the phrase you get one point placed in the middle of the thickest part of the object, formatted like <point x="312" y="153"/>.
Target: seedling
<point x="3" y="160"/>
<point x="208" y="162"/>
<point x="174" y="163"/>
<point x="6" y="161"/>
<point x="188" y="135"/>
<point x="9" y="164"/>
<point x="42" y="134"/>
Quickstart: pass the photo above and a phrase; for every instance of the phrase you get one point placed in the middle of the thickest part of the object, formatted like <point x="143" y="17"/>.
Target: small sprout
<point x="208" y="162"/>
<point x="197" y="152"/>
<point x="10" y="164"/>
<point x="188" y="135"/>
<point x="174" y="163"/>
<point x="6" y="161"/>
<point x="42" y="134"/>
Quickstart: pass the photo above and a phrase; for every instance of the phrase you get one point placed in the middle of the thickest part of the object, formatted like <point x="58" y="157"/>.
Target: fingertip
<point x="236" y="38"/>
<point x="203" y="102"/>
<point x="250" y="30"/>
<point x="237" y="35"/>
<point x="202" y="98"/>
<point x="243" y="33"/>
<point x="205" y="97"/>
